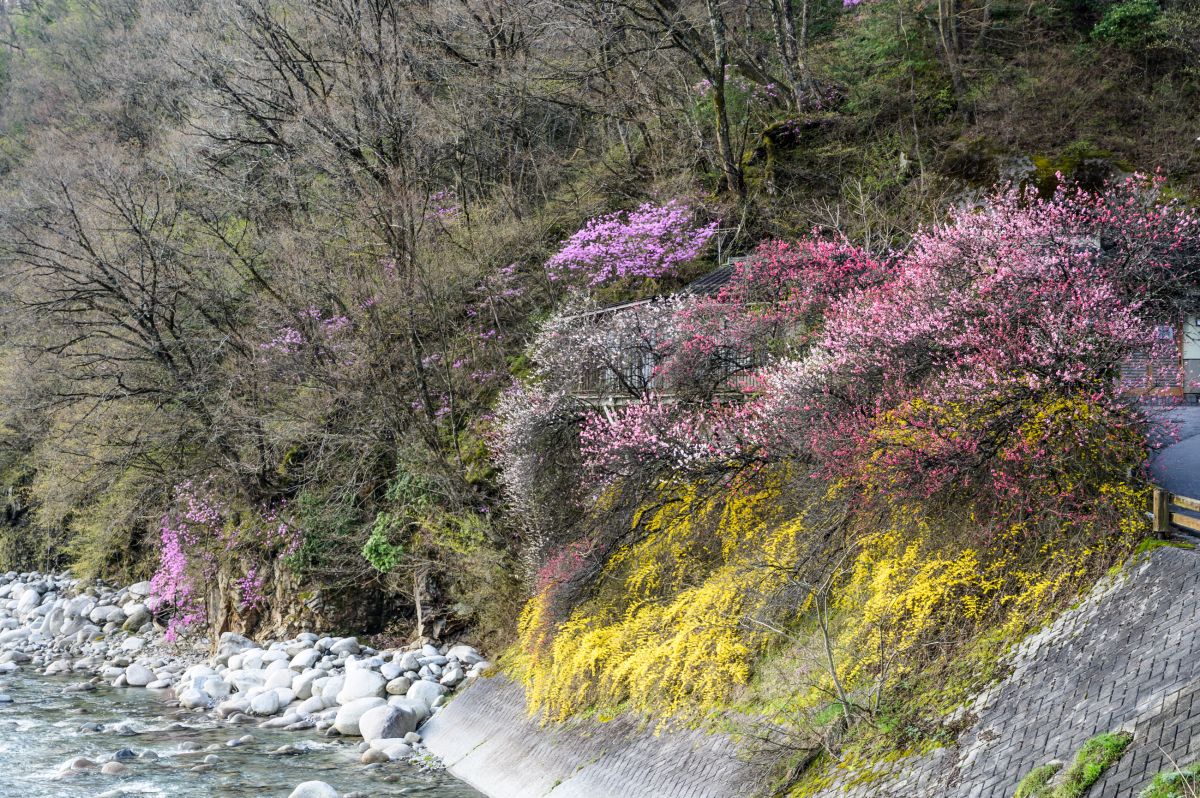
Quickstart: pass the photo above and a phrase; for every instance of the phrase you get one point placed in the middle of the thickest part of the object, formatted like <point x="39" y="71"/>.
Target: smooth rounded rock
<point x="425" y="691"/>
<point x="374" y="756"/>
<point x="314" y="789"/>
<point x="348" y="717"/>
<point x="265" y="703"/>
<point x="195" y="699"/>
<point x="399" y="686"/>
<point x="387" y="721"/>
<point x="361" y="683"/>
<point x="138" y="675"/>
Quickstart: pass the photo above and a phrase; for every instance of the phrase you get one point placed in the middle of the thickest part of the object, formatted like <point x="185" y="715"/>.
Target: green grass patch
<point x="1035" y="781"/>
<point x="1096" y="756"/>
<point x="1150" y="544"/>
<point x="1145" y="548"/>
<point x="1182" y="783"/>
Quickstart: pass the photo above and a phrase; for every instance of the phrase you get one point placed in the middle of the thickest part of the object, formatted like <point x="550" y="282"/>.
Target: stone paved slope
<point x="486" y="739"/>
<point x="1128" y="658"/>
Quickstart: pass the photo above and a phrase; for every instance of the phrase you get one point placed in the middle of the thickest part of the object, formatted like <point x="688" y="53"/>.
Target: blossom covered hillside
<point x="939" y="449"/>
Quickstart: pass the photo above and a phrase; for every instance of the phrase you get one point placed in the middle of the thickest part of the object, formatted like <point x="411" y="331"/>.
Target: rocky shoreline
<point x="56" y="625"/>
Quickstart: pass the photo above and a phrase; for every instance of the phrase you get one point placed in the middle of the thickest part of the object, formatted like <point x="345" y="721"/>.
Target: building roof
<point x="705" y="285"/>
<point x="710" y="283"/>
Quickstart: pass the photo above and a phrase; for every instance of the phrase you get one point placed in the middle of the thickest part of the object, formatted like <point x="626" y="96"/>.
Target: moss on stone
<point x="1181" y="783"/>
<point x="1093" y="758"/>
<point x="1035" y="781"/>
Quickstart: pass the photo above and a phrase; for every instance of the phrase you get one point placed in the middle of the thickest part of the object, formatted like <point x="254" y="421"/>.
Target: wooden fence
<point x="1165" y="516"/>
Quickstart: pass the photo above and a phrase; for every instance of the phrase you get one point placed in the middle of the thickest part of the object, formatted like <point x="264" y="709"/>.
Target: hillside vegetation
<point x="292" y="296"/>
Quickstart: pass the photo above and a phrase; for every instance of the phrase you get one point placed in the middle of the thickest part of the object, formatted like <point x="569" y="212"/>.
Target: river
<point x="45" y="728"/>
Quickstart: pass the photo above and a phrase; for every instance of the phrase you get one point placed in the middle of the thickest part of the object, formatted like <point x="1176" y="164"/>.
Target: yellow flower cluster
<point x="681" y="617"/>
<point x="672" y="630"/>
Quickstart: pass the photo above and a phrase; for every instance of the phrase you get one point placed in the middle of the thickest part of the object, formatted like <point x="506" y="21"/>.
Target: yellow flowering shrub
<point x="669" y="632"/>
<point x="682" y="614"/>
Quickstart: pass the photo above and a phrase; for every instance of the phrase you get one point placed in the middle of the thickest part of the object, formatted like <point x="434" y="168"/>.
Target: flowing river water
<point x="44" y="728"/>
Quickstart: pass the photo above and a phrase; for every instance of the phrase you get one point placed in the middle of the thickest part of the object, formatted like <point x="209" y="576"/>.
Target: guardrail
<point x="1164" y="516"/>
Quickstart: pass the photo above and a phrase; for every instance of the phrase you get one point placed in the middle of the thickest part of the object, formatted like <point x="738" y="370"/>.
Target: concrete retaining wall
<point x="486" y="739"/>
<point x="1127" y="658"/>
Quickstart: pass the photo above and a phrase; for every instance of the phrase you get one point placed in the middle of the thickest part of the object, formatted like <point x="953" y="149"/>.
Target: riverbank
<point x="332" y="686"/>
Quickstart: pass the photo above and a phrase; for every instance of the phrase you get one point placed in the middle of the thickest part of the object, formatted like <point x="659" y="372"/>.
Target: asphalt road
<point x="1176" y="467"/>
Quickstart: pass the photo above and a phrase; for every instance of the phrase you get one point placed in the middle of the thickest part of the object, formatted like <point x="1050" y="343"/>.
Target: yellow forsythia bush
<point x="678" y="619"/>
<point x="673" y="635"/>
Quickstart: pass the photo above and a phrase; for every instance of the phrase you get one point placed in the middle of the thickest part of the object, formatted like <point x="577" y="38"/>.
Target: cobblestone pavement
<point x="1127" y="658"/>
<point x="486" y="738"/>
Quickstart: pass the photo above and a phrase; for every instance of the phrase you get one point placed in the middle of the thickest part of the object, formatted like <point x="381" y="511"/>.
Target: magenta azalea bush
<point x="195" y="537"/>
<point x="652" y="241"/>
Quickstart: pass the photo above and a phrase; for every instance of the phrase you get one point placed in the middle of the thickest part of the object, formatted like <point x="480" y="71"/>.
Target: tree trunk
<point x="734" y="179"/>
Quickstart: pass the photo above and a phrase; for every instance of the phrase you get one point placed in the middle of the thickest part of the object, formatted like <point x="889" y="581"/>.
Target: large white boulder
<point x="265" y="703"/>
<point x="30" y="600"/>
<point x="361" y="683"/>
<point x="302" y="683"/>
<point x="467" y="655"/>
<point x="349" y="715"/>
<point x="138" y="675"/>
<point x="426" y="691"/>
<point x="194" y="698"/>
<point x="281" y="677"/>
<point x="413" y="705"/>
<point x="347" y="645"/>
<point x="387" y="721"/>
<point x="314" y="789"/>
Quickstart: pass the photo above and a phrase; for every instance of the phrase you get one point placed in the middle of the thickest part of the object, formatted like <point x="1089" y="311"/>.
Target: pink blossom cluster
<point x="175" y="587"/>
<point x="770" y="308"/>
<point x="290" y="339"/>
<point x="565" y="565"/>
<point x="923" y="370"/>
<point x="287" y="340"/>
<point x="444" y="206"/>
<point x="649" y="242"/>
<point x="927" y="377"/>
<point x="618" y="442"/>
<point x="192" y="535"/>
<point x="250" y="590"/>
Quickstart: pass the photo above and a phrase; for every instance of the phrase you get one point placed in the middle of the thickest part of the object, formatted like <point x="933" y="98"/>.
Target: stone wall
<point x="485" y="738"/>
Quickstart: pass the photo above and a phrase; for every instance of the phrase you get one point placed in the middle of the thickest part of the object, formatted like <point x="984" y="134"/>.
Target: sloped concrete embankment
<point x="486" y="738"/>
<point x="1127" y="658"/>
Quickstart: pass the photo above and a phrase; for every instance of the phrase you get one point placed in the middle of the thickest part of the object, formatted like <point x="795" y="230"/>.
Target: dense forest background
<point x="273" y="261"/>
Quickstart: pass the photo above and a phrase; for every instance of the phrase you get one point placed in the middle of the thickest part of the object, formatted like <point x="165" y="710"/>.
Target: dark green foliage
<point x="1128" y="24"/>
<point x="383" y="555"/>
